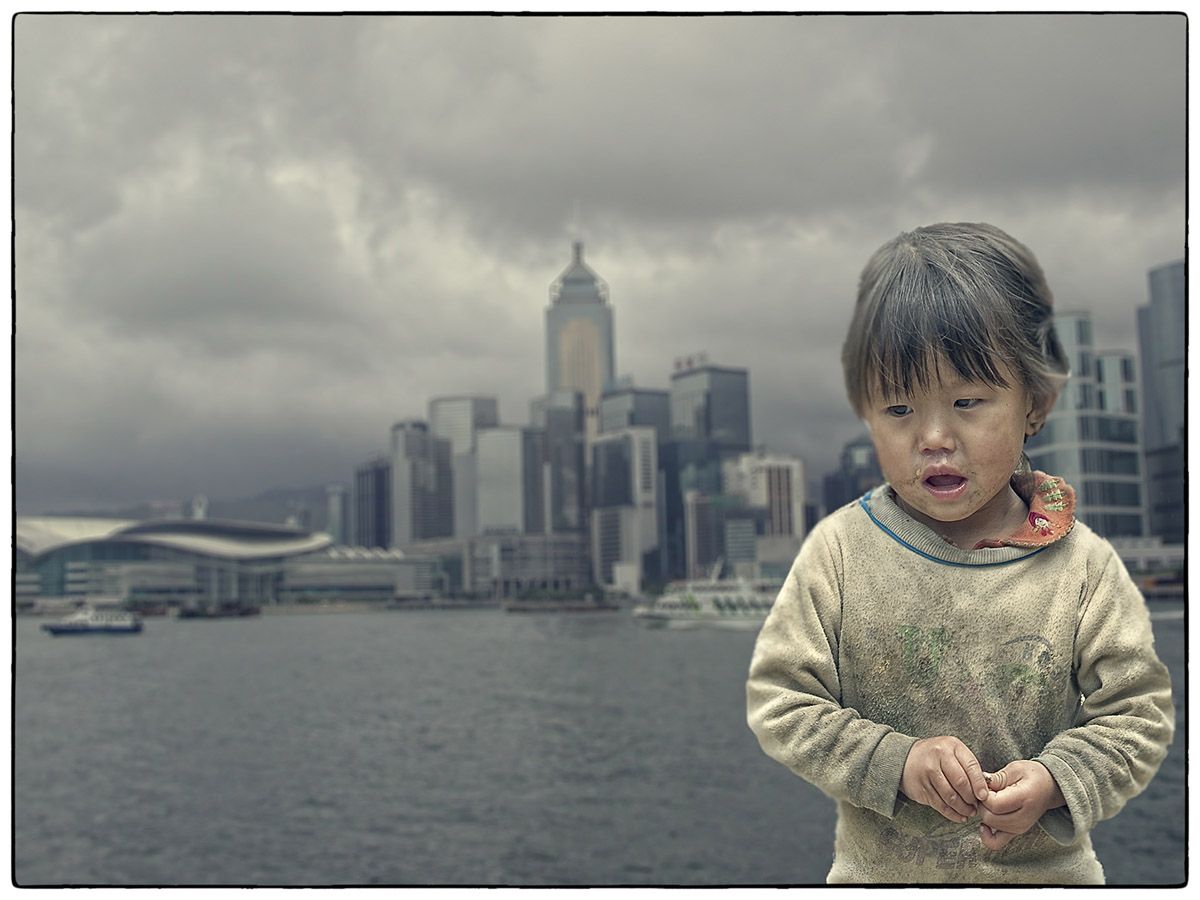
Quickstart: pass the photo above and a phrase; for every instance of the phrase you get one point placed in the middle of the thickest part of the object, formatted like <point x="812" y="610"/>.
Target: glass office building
<point x="509" y="480"/>
<point x="560" y="418"/>
<point x="711" y="403"/>
<point x="629" y="406"/>
<point x="579" y="337"/>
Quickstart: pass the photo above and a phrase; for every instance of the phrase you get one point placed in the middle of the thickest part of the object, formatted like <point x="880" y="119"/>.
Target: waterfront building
<point x="373" y="503"/>
<point x="458" y="419"/>
<point x="1162" y="344"/>
<point x="64" y="560"/>
<point x="509" y="480"/>
<point x="503" y="566"/>
<point x="624" y="406"/>
<point x="1090" y="438"/>
<point x="711" y="403"/>
<point x="169" y="562"/>
<point x="422" y="493"/>
<point x="857" y="472"/>
<point x="339" y="574"/>
<point x="625" y="516"/>
<point x="559" y="416"/>
<point x="579" y="336"/>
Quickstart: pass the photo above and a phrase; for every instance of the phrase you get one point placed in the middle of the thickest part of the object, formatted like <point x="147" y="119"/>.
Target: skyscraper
<point x="711" y="403"/>
<point x="422" y="496"/>
<point x="373" y="503"/>
<point x="621" y="407"/>
<point x="457" y="419"/>
<point x="1090" y="438"/>
<point x="1162" y="344"/>
<point x="336" y="513"/>
<point x="559" y="417"/>
<point x="510" y="480"/>
<point x="773" y="484"/>
<point x="625" y="514"/>
<point x="579" y="336"/>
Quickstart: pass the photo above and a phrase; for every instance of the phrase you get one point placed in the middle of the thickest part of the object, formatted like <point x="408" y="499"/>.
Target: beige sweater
<point x="1039" y="649"/>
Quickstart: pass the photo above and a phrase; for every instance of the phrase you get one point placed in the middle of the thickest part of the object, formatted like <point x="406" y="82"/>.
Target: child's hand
<point x="1026" y="791"/>
<point x="943" y="773"/>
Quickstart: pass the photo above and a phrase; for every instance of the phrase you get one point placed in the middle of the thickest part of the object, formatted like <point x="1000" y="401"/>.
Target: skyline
<point x="247" y="245"/>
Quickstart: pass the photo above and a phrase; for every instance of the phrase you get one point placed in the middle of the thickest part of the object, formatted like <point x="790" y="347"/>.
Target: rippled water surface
<point x="471" y="747"/>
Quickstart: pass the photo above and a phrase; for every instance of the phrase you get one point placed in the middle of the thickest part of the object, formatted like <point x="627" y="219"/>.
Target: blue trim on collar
<point x="945" y="562"/>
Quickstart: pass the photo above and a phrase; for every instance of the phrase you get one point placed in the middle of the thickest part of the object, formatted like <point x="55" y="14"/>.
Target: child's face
<point x="949" y="451"/>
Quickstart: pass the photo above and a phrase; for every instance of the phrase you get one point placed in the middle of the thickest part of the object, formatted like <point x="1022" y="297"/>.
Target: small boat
<point x="734" y="603"/>
<point x="90" y="620"/>
<point x="229" y="609"/>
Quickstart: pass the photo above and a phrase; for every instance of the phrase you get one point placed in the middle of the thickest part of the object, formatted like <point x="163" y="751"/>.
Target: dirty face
<point x="949" y="450"/>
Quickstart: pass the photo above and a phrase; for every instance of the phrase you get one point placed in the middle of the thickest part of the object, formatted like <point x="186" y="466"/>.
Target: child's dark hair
<point x="967" y="294"/>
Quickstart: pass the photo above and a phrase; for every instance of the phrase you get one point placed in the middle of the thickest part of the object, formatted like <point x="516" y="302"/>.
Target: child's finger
<point x="994" y="840"/>
<point x="1003" y="802"/>
<point x="977" y="787"/>
<point x="1015" y="822"/>
<point x="964" y="809"/>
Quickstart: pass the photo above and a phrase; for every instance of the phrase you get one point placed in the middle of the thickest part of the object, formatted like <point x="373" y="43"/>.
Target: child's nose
<point x="936" y="435"/>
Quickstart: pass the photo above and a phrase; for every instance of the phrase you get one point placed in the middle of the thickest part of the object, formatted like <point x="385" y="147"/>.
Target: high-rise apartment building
<point x="509" y="481"/>
<point x="559" y="416"/>
<point x="373" y="503"/>
<point x="625" y="514"/>
<point x="458" y="419"/>
<point x="422" y="494"/>
<point x="579" y="337"/>
<point x="1090" y="438"/>
<point x="1162" y="344"/>
<point x="711" y="403"/>
<point x="773" y="484"/>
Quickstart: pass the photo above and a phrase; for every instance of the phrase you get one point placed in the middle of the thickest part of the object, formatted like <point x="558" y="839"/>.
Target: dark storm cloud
<point x="246" y="245"/>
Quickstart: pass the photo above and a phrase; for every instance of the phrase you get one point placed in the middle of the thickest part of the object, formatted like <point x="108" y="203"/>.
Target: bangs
<point x="908" y="343"/>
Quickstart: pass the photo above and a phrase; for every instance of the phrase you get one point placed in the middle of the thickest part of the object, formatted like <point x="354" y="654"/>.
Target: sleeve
<point x="1125" y="719"/>
<point x="793" y="693"/>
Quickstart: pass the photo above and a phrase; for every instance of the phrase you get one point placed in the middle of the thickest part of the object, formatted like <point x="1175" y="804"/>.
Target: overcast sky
<point x="245" y="246"/>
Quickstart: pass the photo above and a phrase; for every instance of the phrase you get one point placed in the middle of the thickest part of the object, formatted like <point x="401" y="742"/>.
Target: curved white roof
<point x="225" y="539"/>
<point x="40" y="534"/>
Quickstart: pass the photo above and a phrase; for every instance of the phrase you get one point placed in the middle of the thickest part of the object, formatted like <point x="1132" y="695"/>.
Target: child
<point x="957" y="621"/>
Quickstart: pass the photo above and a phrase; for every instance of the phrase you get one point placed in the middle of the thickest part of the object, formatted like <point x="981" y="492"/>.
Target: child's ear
<point x="1035" y="418"/>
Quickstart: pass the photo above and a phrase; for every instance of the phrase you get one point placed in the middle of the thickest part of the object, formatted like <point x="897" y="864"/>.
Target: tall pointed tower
<point x="579" y="337"/>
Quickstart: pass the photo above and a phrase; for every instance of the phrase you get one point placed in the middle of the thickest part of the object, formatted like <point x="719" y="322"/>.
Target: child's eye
<point x="970" y="403"/>
<point x="897" y="410"/>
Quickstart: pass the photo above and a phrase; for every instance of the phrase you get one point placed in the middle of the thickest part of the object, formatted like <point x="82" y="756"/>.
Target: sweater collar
<point x="1051" y="503"/>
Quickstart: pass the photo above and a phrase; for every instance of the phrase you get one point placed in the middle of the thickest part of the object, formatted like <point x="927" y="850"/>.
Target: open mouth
<point x="945" y="485"/>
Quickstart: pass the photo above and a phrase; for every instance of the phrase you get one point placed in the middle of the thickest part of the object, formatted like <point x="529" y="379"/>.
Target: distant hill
<point x="307" y="504"/>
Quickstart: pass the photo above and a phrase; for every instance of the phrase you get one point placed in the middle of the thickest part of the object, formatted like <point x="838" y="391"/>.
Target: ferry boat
<point x="731" y="603"/>
<point x="90" y="620"/>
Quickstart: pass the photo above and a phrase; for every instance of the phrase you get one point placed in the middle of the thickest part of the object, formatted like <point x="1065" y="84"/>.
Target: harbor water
<point x="444" y="748"/>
